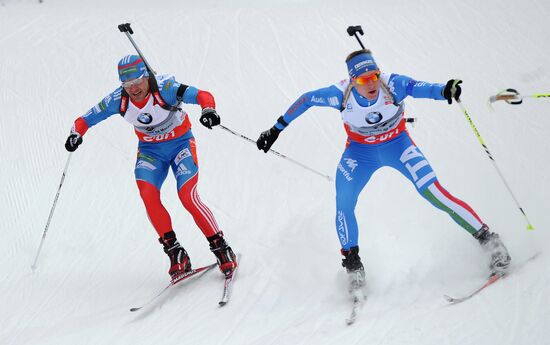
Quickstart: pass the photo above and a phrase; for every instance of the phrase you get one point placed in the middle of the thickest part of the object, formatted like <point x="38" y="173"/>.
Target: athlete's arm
<point x="174" y="92"/>
<point x="109" y="106"/>
<point x="326" y="97"/>
<point x="403" y="86"/>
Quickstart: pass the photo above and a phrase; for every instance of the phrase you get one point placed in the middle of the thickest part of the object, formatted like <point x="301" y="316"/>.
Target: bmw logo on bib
<point x="145" y="118"/>
<point x="373" y="118"/>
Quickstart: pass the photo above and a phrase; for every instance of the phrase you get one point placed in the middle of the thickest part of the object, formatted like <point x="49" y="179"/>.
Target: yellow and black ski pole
<point x="529" y="225"/>
<point x="512" y="96"/>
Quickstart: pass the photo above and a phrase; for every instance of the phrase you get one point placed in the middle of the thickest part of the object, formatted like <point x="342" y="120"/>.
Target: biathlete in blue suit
<point x="372" y="108"/>
<point x="151" y="104"/>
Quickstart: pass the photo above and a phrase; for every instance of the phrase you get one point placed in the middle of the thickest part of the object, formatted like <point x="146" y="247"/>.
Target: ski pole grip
<point x="352" y="30"/>
<point x="125" y="27"/>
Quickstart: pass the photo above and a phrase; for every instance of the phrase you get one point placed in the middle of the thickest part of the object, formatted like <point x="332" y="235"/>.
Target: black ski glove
<point x="73" y="141"/>
<point x="452" y="90"/>
<point x="267" y="138"/>
<point x="210" y="118"/>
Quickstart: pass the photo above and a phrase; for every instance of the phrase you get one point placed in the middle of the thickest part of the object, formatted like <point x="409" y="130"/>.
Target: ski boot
<point x="491" y="242"/>
<point x="227" y="261"/>
<point x="355" y="269"/>
<point x="179" y="260"/>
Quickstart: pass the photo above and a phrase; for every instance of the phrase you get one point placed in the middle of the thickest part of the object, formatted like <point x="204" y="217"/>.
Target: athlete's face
<point x="367" y="84"/>
<point x="137" y="89"/>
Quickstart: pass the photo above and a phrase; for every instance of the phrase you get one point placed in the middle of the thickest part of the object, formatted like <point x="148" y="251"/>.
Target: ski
<point x="490" y="281"/>
<point x="197" y="272"/>
<point x="357" y="290"/>
<point x="493" y="278"/>
<point x="228" y="284"/>
<point x="358" y="298"/>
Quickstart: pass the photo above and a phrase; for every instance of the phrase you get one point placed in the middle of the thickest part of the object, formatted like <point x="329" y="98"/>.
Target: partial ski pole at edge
<point x="33" y="266"/>
<point x="277" y="153"/>
<point x="529" y="225"/>
<point x="512" y="96"/>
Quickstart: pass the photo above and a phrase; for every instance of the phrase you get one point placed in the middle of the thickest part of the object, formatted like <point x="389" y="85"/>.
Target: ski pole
<point x="33" y="266"/>
<point x="512" y="96"/>
<point x="277" y="153"/>
<point x="353" y="30"/>
<point x="529" y="226"/>
<point x="128" y="31"/>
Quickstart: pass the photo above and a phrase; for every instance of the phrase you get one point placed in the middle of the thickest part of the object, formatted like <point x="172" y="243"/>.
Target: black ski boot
<point x="491" y="242"/>
<point x="179" y="260"/>
<point x="227" y="261"/>
<point x="354" y="267"/>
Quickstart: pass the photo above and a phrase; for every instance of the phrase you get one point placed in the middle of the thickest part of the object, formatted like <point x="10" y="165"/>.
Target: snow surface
<point x="101" y="256"/>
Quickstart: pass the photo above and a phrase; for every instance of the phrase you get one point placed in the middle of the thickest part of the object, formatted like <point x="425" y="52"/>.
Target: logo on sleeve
<point x="319" y="100"/>
<point x="105" y="102"/>
<point x="333" y="101"/>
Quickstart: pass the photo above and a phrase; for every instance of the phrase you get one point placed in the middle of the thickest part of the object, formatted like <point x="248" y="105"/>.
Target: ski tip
<point x="135" y="309"/>
<point x="448" y="298"/>
<point x="222" y="303"/>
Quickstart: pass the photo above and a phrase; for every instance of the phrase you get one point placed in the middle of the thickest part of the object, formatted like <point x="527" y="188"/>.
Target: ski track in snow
<point x="101" y="256"/>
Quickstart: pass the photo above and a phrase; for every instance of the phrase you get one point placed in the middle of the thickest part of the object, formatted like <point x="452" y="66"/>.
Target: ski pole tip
<point x="530" y="227"/>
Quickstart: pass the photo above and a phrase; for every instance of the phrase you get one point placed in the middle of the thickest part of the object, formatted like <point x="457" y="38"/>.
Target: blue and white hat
<point x="360" y="64"/>
<point x="131" y="67"/>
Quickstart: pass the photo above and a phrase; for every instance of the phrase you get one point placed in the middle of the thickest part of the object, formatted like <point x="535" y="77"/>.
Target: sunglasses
<point x="132" y="82"/>
<point x="362" y="80"/>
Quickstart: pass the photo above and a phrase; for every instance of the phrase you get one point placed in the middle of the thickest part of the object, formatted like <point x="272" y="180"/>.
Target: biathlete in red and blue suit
<point x="372" y="108"/>
<point x="152" y="105"/>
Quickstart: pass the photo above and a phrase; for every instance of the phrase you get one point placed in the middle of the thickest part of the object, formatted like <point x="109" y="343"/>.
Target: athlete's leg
<point x="404" y="156"/>
<point x="150" y="173"/>
<point x="352" y="174"/>
<point x="186" y="171"/>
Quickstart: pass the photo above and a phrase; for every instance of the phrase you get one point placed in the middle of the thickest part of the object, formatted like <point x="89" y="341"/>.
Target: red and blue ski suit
<point x="165" y="142"/>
